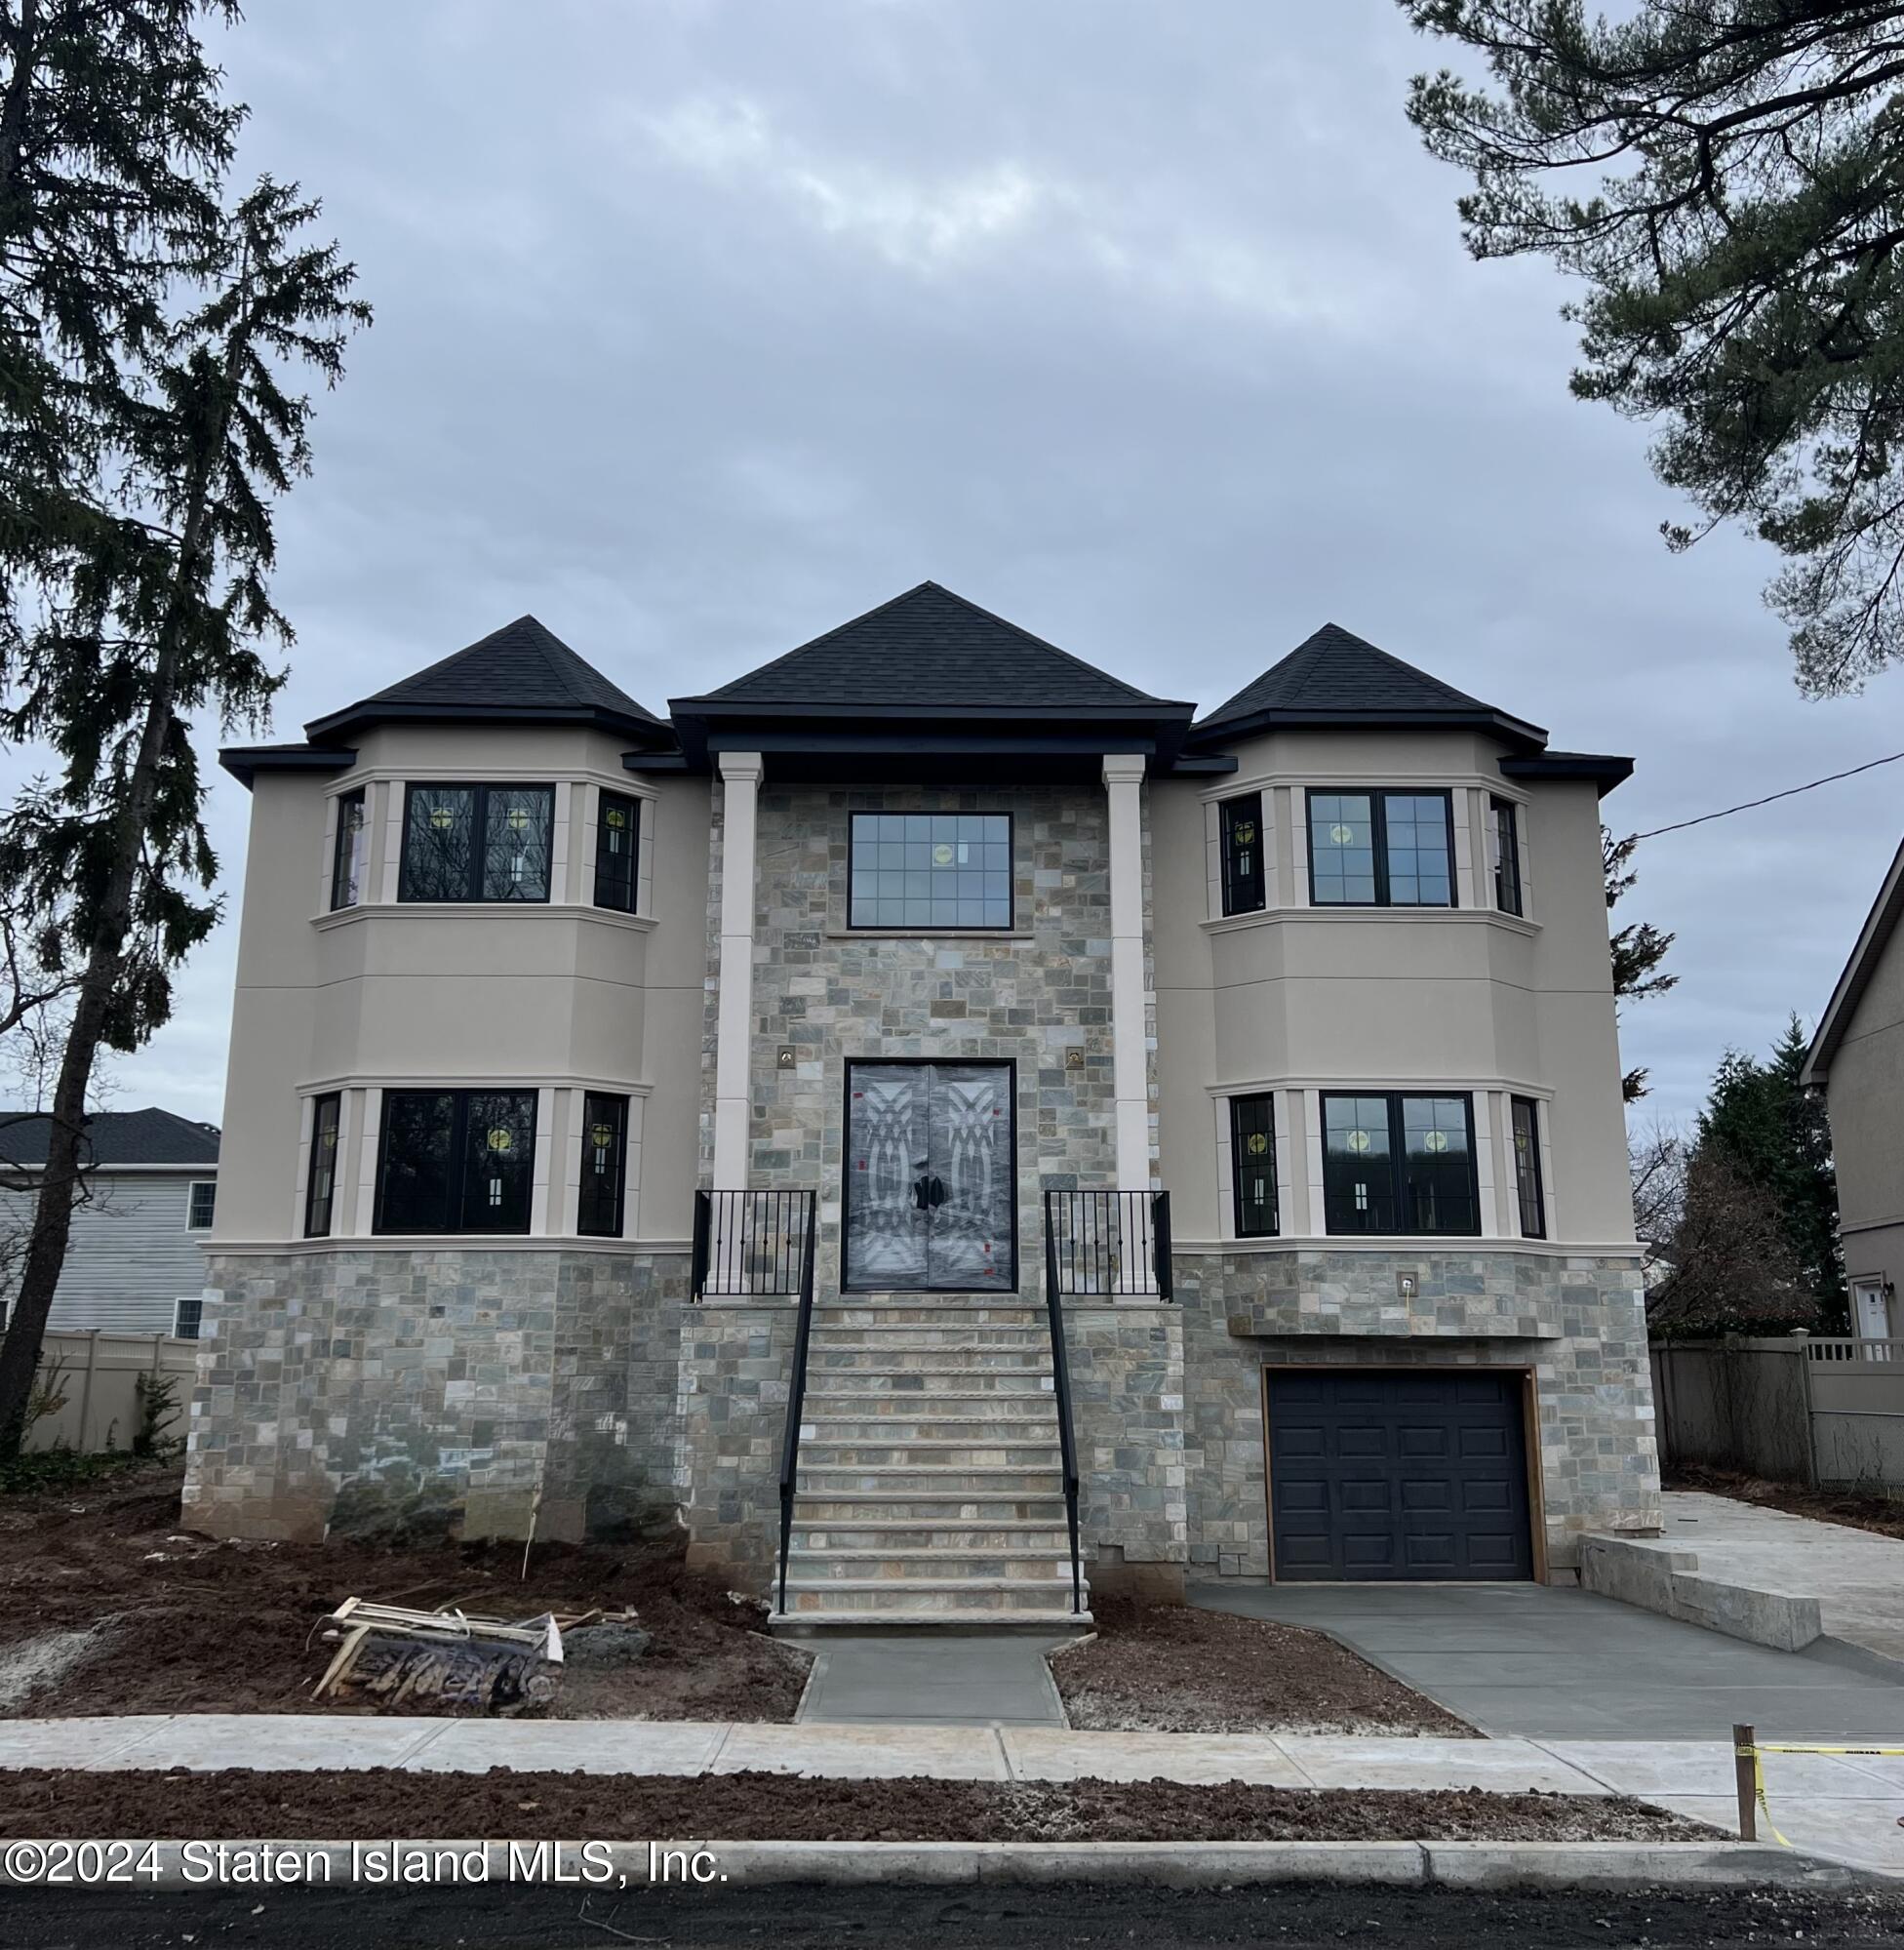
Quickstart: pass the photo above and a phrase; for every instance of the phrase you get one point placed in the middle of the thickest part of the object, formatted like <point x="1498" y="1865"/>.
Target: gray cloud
<point x="704" y="326"/>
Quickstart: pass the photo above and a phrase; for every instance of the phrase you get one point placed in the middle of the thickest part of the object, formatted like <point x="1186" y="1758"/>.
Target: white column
<point x="734" y="1024"/>
<point x="1124" y="776"/>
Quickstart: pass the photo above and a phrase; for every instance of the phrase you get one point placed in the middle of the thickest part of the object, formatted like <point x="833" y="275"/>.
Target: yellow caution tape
<point x="1755" y="1754"/>
<point x="1772" y="1747"/>
<point x="1765" y="1807"/>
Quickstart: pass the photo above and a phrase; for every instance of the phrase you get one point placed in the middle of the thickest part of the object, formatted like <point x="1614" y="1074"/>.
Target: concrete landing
<point x="933" y="1678"/>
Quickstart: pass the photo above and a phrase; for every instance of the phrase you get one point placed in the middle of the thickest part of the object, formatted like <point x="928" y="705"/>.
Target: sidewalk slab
<point x="1652" y="1768"/>
<point x="947" y="1678"/>
<point x="863" y="1753"/>
<point x="289" y="1742"/>
<point x="1862" y="1832"/>
<point x="1502" y="1767"/>
<point x="568" y="1746"/>
<point x="74" y="1743"/>
<point x="1203" y="1759"/>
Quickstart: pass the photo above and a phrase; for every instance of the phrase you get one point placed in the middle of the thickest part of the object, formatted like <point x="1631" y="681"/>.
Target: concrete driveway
<point x="1546" y="1663"/>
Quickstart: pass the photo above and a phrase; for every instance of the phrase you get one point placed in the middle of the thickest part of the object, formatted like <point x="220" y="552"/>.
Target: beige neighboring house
<point x="940" y="974"/>
<point x="135" y="1258"/>
<point x="1858" y="1056"/>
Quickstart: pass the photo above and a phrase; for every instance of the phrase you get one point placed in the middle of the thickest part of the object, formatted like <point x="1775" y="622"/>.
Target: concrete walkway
<point x="1547" y="1663"/>
<point x="1845" y="1809"/>
<point x="1857" y="1577"/>
<point x="937" y="1679"/>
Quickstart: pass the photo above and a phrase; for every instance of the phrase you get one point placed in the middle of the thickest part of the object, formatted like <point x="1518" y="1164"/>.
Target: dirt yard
<point x="235" y="1803"/>
<point x="106" y="1605"/>
<point x="1172" y="1669"/>
<point x="1882" y="1514"/>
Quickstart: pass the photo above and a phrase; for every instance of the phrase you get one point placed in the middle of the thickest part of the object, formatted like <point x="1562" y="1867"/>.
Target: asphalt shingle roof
<point x="1336" y="670"/>
<point x="928" y="647"/>
<point x="524" y="666"/>
<point x="149" y="1136"/>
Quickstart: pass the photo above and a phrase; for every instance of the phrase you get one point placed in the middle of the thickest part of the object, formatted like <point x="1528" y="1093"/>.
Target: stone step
<point x="928" y="1506"/>
<point x="927" y="1333"/>
<point x="860" y="1595"/>
<point x="940" y="1383"/>
<point x="850" y="1479"/>
<point x="970" y="1454"/>
<point x="945" y="1359"/>
<point x="899" y="1616"/>
<point x="889" y="1537"/>
<point x="1006" y="1426"/>
<point x="913" y="1566"/>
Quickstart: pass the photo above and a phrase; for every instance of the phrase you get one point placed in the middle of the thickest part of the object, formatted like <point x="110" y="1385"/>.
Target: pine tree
<point x="166" y="613"/>
<point x="1638" y="949"/>
<point x="1742" y="244"/>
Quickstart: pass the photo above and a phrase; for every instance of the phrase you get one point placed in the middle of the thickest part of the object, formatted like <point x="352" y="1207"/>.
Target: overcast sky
<point x="702" y="327"/>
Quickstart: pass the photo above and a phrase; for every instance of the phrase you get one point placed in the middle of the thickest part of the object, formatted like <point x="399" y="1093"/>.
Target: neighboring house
<point x="135" y="1258"/>
<point x="1857" y="1055"/>
<point x="1280" y="1043"/>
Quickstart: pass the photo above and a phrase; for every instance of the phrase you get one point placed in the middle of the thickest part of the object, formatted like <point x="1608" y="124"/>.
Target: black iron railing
<point x="1067" y="1441"/>
<point x="803" y="1329"/>
<point x="751" y="1243"/>
<point x="1109" y="1244"/>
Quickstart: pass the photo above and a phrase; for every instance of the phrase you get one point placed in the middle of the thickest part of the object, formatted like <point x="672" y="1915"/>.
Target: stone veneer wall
<point x="376" y="1391"/>
<point x="1579" y="1322"/>
<point x="832" y="994"/>
<point x="1128" y="1412"/>
<point x="737" y="1360"/>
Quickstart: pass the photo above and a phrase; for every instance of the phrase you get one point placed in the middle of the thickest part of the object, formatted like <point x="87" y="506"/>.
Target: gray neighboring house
<point x="1279" y="1043"/>
<point x="136" y="1261"/>
<point x="1858" y="1056"/>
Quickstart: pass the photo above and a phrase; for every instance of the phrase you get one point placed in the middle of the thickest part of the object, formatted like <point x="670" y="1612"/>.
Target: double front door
<point x="930" y="1179"/>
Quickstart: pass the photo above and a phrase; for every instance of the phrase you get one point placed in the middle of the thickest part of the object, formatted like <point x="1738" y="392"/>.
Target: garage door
<point x="1394" y="1473"/>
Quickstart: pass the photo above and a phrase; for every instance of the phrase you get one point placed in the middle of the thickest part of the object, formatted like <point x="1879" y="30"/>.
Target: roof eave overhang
<point x="244" y="761"/>
<point x="1880" y="925"/>
<point x="1604" y="770"/>
<point x="1497" y="724"/>
<point x="361" y="716"/>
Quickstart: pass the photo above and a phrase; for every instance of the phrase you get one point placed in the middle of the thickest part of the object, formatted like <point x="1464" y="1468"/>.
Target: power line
<point x="1790" y="792"/>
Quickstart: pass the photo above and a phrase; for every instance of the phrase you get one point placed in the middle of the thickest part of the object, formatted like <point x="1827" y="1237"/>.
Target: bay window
<point x="1399" y="1164"/>
<point x="1240" y="824"/>
<point x="1253" y="1165"/>
<point x="603" y="1165"/>
<point x="1381" y="849"/>
<point x="1528" y="1191"/>
<point x="455" y="1161"/>
<point x="349" y="852"/>
<point x="487" y="843"/>
<point x="1504" y="850"/>
<point x="617" y="840"/>
<point x="321" y="1173"/>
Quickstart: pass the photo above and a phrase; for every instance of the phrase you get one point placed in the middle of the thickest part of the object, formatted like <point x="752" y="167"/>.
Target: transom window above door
<point x="1381" y="849"/>
<point x="477" y="842"/>
<point x="931" y="871"/>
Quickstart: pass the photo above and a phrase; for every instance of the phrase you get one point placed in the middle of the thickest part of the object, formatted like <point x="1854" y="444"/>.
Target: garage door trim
<point x="1530" y="1434"/>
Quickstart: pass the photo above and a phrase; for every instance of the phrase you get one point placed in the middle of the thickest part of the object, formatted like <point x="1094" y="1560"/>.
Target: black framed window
<point x="455" y="1161"/>
<point x="1525" y="1117"/>
<point x="349" y="852"/>
<point x="1252" y="1164"/>
<point x="617" y="846"/>
<point x="204" y="1206"/>
<point x="1504" y="848"/>
<point x="477" y="842"/>
<point x="1381" y="849"/>
<point x="188" y="1316"/>
<point x="929" y="870"/>
<point x="1242" y="825"/>
<point x="603" y="1164"/>
<point x="321" y="1172"/>
<point x="1396" y="1164"/>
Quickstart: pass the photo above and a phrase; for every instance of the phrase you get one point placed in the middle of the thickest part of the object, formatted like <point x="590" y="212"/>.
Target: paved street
<point x="1547" y="1663"/>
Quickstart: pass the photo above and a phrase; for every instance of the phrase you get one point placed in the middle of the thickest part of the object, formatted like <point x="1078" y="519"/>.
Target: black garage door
<point x="1393" y="1473"/>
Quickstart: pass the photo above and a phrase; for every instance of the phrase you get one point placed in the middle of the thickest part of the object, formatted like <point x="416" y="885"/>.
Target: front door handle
<point x="937" y="1192"/>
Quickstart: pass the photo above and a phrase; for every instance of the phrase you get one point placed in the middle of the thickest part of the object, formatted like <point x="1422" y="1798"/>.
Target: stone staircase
<point x="931" y="1488"/>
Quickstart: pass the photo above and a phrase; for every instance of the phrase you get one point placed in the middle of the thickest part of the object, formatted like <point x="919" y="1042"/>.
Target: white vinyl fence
<point x="97" y="1372"/>
<point x="1799" y="1408"/>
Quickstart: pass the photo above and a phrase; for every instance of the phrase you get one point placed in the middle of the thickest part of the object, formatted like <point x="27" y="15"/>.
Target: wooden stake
<point x="1745" y="1772"/>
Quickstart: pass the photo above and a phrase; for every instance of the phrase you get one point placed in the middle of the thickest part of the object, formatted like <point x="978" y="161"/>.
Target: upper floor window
<point x="455" y="1161"/>
<point x="204" y="1206"/>
<point x="1504" y="853"/>
<point x="1242" y="823"/>
<point x="321" y="1173"/>
<point x="1381" y="849"/>
<point x="1395" y="1164"/>
<point x="603" y="1165"/>
<point x="1527" y="1168"/>
<point x="349" y="852"/>
<point x="931" y="871"/>
<point x="477" y="842"/>
<point x="1252" y="1164"/>
<point x="618" y="841"/>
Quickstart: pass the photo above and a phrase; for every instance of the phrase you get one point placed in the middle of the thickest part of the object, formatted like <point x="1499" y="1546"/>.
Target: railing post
<point x="703" y="1220"/>
<point x="797" y="1394"/>
<point x="1159" y="1227"/>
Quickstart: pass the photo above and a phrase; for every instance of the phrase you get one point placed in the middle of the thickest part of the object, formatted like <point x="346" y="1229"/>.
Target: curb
<point x="167" y="1866"/>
